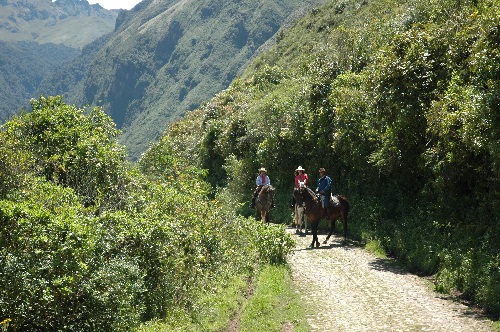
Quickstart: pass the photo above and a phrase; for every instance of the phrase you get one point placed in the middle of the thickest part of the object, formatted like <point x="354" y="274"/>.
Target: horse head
<point x="266" y="194"/>
<point x="264" y="202"/>
<point x="299" y="191"/>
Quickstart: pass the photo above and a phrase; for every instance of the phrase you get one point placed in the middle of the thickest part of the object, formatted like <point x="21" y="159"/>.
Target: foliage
<point x="266" y="303"/>
<point x="39" y="37"/>
<point x="399" y="102"/>
<point x="90" y="242"/>
<point x="24" y="65"/>
<point x="148" y="79"/>
<point x="72" y="149"/>
<point x="274" y="305"/>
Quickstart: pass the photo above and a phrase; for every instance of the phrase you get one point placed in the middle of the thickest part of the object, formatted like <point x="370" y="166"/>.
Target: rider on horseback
<point x="301" y="177"/>
<point x="324" y="189"/>
<point x="261" y="181"/>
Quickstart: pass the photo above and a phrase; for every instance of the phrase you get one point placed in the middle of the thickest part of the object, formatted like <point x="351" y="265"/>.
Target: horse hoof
<point x="317" y="244"/>
<point x="325" y="242"/>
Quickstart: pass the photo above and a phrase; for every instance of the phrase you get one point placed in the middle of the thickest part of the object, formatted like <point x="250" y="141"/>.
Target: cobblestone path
<point x="349" y="289"/>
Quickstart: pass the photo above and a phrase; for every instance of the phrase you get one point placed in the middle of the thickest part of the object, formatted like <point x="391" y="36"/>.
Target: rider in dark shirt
<point x="325" y="189"/>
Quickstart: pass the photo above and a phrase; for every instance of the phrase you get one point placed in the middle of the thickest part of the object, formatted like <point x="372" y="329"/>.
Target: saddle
<point x="334" y="200"/>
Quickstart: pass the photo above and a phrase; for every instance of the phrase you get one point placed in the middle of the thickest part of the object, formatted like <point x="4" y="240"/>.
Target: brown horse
<point x="339" y="207"/>
<point x="264" y="201"/>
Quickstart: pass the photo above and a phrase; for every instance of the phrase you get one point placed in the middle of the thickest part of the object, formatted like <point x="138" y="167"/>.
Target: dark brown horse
<point x="339" y="207"/>
<point x="264" y="201"/>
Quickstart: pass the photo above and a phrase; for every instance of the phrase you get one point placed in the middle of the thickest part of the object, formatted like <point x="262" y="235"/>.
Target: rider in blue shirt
<point x="325" y="189"/>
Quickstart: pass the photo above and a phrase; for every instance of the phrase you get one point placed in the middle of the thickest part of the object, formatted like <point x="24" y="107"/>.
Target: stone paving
<point x="349" y="289"/>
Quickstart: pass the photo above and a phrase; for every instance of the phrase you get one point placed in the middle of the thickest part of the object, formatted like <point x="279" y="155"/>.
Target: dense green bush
<point x="73" y="149"/>
<point x="400" y="103"/>
<point x="89" y="242"/>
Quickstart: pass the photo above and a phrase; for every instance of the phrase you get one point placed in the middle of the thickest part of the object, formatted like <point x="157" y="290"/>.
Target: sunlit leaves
<point x="71" y="148"/>
<point x="154" y="240"/>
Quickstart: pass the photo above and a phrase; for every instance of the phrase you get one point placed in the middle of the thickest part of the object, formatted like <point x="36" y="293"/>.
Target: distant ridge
<point x="167" y="57"/>
<point x="73" y="23"/>
<point x="38" y="36"/>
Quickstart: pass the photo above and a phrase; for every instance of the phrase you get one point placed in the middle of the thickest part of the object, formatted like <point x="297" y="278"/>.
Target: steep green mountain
<point x="400" y="102"/>
<point x="167" y="57"/>
<point x="38" y="37"/>
<point x="74" y="23"/>
<point x="23" y="66"/>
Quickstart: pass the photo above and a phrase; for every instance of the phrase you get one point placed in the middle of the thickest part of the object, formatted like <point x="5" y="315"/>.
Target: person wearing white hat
<point x="301" y="175"/>
<point x="261" y="181"/>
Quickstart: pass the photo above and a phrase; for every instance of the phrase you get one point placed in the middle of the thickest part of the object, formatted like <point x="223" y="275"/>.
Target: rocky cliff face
<point x="73" y="23"/>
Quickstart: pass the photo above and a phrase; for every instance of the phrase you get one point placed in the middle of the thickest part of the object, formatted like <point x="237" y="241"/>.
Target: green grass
<point x="376" y="248"/>
<point x="274" y="304"/>
<point x="213" y="312"/>
<point x="268" y="304"/>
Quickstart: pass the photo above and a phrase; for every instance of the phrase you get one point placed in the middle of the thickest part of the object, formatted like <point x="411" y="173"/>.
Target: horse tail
<point x="345" y="202"/>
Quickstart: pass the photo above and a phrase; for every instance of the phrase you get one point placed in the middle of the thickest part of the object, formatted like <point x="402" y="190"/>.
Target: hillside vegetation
<point x="167" y="57"/>
<point x="399" y="101"/>
<point x="89" y="242"/>
<point x="37" y="38"/>
<point x="73" y="23"/>
<point x="24" y="65"/>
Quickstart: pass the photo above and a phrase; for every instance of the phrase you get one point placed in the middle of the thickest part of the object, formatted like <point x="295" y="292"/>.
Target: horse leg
<point x="333" y="219"/>
<point x="300" y="218"/>
<point x="305" y="222"/>
<point x="344" y="223"/>
<point x="314" y="234"/>
<point x="317" y="239"/>
<point x="332" y="227"/>
<point x="314" y="229"/>
<point x="296" y="219"/>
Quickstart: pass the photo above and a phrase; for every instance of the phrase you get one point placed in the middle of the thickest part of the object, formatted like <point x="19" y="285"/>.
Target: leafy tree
<point x="73" y="149"/>
<point x="400" y="102"/>
<point x="90" y="242"/>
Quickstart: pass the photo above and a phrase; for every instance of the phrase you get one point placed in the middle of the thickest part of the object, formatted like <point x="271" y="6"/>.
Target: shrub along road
<point x="346" y="288"/>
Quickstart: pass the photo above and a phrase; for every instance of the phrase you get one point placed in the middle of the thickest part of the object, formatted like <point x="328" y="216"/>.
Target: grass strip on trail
<point x="274" y="305"/>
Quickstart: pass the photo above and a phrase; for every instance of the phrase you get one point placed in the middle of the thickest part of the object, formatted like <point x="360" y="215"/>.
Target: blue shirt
<point x="325" y="184"/>
<point x="262" y="182"/>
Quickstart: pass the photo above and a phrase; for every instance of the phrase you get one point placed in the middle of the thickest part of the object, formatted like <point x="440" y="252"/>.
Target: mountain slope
<point x="23" y="66"/>
<point x="166" y="57"/>
<point x="400" y="102"/>
<point x="37" y="38"/>
<point x="69" y="22"/>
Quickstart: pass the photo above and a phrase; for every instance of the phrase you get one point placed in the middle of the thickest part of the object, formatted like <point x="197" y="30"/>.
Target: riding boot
<point x="252" y="206"/>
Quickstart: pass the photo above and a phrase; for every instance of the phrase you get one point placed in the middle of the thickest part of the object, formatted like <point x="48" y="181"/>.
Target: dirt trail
<point x="349" y="289"/>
